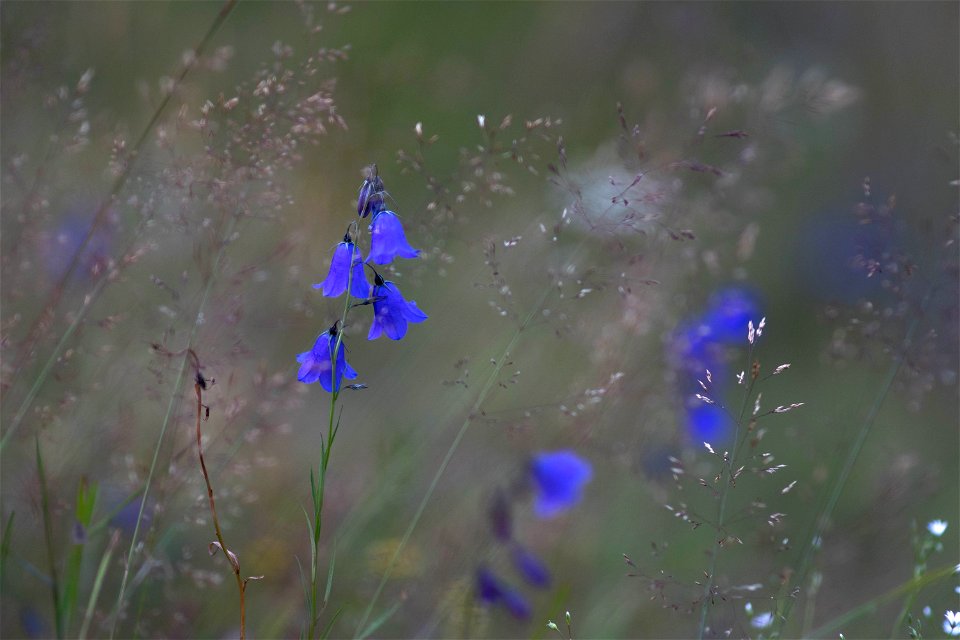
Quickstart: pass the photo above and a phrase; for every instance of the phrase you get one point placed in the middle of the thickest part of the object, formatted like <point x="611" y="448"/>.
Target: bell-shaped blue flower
<point x="558" y="479"/>
<point x="387" y="239"/>
<point x="317" y="364"/>
<point x="531" y="567"/>
<point x="491" y="591"/>
<point x="391" y="312"/>
<point x="343" y="269"/>
<point x="370" y="197"/>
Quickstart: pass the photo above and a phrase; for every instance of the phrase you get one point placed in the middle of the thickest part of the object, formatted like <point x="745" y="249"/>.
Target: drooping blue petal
<point x="558" y="479"/>
<point x="709" y="423"/>
<point x="387" y="239"/>
<point x="491" y="591"/>
<point x="729" y="311"/>
<point x="531" y="567"/>
<point x="340" y="272"/>
<point x="391" y="312"/>
<point x="317" y="364"/>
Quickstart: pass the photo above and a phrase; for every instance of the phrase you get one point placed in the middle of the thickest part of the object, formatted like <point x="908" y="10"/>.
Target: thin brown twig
<point x="200" y="384"/>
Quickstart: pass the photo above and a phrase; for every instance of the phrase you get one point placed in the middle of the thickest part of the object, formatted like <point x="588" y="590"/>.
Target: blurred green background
<point x="832" y="95"/>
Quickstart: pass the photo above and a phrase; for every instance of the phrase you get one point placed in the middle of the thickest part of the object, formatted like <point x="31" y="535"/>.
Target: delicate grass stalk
<point x="231" y="557"/>
<point x="171" y="405"/>
<point x="98" y="583"/>
<point x="487" y="387"/>
<point x="86" y="501"/>
<point x="5" y="547"/>
<point x="48" y="539"/>
<point x="812" y="543"/>
<point x="724" y="496"/>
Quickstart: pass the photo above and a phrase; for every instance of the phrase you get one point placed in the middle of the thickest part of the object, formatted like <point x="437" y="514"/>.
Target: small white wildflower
<point x="748" y="608"/>
<point x="927" y="611"/>
<point x="762" y="621"/>
<point x="703" y="398"/>
<point x="951" y="623"/>
<point x="783" y="409"/>
<point x="763" y="323"/>
<point x="781" y="369"/>
<point x="709" y="448"/>
<point x="740" y="377"/>
<point x="481" y="120"/>
<point x="937" y="527"/>
<point x="751" y="332"/>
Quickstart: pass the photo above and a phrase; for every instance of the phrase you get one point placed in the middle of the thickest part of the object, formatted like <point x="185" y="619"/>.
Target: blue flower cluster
<point x="698" y="345"/>
<point x="557" y="479"/>
<point x="326" y="362"/>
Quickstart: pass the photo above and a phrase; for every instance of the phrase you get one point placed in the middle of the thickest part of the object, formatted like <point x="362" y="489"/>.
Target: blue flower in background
<point x="491" y="591"/>
<point x="370" y="197"/>
<point x="391" y="312"/>
<point x="531" y="567"/>
<point x="387" y="239"/>
<point x="336" y="281"/>
<point x="317" y="364"/>
<point x="699" y="345"/>
<point x="558" y="479"/>
<point x="59" y="246"/>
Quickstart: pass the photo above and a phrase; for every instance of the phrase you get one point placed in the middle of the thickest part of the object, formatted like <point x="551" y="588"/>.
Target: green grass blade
<point x="98" y="584"/>
<point x="379" y="621"/>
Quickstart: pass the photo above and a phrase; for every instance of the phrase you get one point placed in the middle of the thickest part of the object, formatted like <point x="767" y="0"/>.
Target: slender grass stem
<point x="812" y="542"/>
<point x="481" y="397"/>
<point x="724" y="496"/>
<point x="48" y="539"/>
<point x="174" y="401"/>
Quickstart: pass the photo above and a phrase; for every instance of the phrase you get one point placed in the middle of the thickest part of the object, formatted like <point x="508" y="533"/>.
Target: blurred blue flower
<point x="558" y="478"/>
<point x="387" y="239"/>
<point x="491" y="591"/>
<point x="698" y="345"/>
<point x="391" y="312"/>
<point x="60" y="245"/>
<point x="708" y="423"/>
<point x="531" y="567"/>
<point x="370" y="197"/>
<point x="336" y="281"/>
<point x="728" y="312"/>
<point x="317" y="363"/>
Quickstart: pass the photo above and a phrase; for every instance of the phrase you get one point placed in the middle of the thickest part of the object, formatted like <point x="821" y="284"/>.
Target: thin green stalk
<point x="326" y="448"/>
<point x="98" y="583"/>
<point x="724" y="495"/>
<point x="487" y="387"/>
<point x="812" y="543"/>
<point x="174" y="401"/>
<point x="48" y="539"/>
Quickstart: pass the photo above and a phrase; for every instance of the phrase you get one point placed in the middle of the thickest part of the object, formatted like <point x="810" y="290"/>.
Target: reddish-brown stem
<point x="234" y="563"/>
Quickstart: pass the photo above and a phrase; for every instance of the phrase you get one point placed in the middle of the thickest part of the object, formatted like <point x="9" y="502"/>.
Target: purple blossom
<point x="558" y="479"/>
<point x="491" y="591"/>
<point x="317" y="364"/>
<point x="531" y="567"/>
<point x="387" y="239"/>
<point x="336" y="281"/>
<point x="391" y="312"/>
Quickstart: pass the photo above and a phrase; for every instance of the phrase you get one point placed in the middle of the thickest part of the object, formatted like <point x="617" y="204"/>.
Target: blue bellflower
<point x="387" y="239"/>
<point x="558" y="479"/>
<point x="391" y="312"/>
<point x="491" y="591"/>
<point x="340" y="271"/>
<point x="531" y="567"/>
<point x="317" y="364"/>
